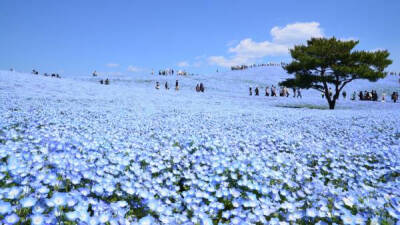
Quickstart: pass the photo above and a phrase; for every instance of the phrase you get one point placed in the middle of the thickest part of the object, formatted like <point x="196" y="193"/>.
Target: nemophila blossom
<point x="28" y="202"/>
<point x="11" y="219"/>
<point x="72" y="215"/>
<point x="348" y="218"/>
<point x="37" y="219"/>
<point x="5" y="208"/>
<point x="14" y="193"/>
<point x="147" y="220"/>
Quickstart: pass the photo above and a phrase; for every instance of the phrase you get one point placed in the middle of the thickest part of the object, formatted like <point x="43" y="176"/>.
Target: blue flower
<point x="28" y="202"/>
<point x="12" y="219"/>
<point x="37" y="219"/>
<point x="5" y="208"/>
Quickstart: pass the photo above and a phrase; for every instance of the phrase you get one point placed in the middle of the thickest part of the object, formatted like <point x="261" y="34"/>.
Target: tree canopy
<point x="331" y="63"/>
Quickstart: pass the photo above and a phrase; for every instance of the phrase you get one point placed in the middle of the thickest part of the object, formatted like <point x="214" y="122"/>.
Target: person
<point x="294" y="92"/>
<point x="322" y="94"/>
<point x="107" y="82"/>
<point x="344" y="94"/>
<point x="360" y="95"/>
<point x="12" y="69"/>
<point x="273" y="91"/>
<point x="94" y="73"/>
<point x="250" y="91"/>
<point x="267" y="91"/>
<point x="176" y="85"/>
<point x="369" y="96"/>
<point x="330" y="92"/>
<point x="256" y="91"/>
<point x="287" y="92"/>
<point x="299" y="93"/>
<point x="166" y="85"/>
<point x="394" y="97"/>
<point x="383" y="96"/>
<point x="172" y="71"/>
<point x="374" y="96"/>
<point x="101" y="81"/>
<point x="354" y="96"/>
<point x="201" y="87"/>
<point x="157" y="85"/>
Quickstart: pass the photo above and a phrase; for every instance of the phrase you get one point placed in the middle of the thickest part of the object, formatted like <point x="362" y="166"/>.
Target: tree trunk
<point x="332" y="105"/>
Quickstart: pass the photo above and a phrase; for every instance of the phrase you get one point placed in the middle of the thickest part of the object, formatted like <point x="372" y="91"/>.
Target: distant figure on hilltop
<point x="256" y="91"/>
<point x="94" y="73"/>
<point x="273" y="91"/>
<point x="299" y="93"/>
<point x="157" y="85"/>
<point x="166" y="85"/>
<point x="267" y="91"/>
<point x="395" y="96"/>
<point x="11" y="69"/>
<point x="250" y="91"/>
<point x="353" y="97"/>
<point x="201" y="87"/>
<point x="101" y="81"/>
<point x="107" y="82"/>
<point x="344" y="94"/>
<point x="176" y="85"/>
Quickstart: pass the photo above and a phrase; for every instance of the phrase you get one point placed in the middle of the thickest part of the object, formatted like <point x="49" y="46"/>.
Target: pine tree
<point x="324" y="63"/>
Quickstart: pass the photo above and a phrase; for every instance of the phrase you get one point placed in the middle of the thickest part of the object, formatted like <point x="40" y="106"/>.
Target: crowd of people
<point x="170" y="72"/>
<point x="55" y="75"/>
<point x="199" y="87"/>
<point x="244" y="67"/>
<point x="273" y="92"/>
<point x="373" y="96"/>
<point x="105" y="82"/>
<point x="102" y="81"/>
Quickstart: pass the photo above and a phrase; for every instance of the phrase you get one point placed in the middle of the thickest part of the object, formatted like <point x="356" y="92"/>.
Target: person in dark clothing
<point x="344" y="94"/>
<point x="176" y="85"/>
<point x="299" y="93"/>
<point x="267" y="91"/>
<point x="294" y="92"/>
<point x="197" y="88"/>
<point x="250" y="91"/>
<point x="101" y="81"/>
<point x="201" y="87"/>
<point x="256" y="91"/>
<point x="361" y="96"/>
<point x="107" y="82"/>
<point x="166" y="85"/>
<point x="395" y="96"/>
<point x="273" y="91"/>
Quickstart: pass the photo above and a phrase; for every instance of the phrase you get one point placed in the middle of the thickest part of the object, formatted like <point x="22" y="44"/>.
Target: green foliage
<point x="325" y="63"/>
